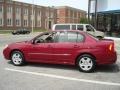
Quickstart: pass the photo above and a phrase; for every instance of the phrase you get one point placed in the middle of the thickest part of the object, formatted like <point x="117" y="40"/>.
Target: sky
<point x="80" y="4"/>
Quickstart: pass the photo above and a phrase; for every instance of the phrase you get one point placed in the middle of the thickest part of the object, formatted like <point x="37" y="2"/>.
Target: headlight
<point x="6" y="46"/>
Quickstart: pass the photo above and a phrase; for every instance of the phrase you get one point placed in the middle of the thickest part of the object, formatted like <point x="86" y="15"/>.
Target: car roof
<point x="67" y="31"/>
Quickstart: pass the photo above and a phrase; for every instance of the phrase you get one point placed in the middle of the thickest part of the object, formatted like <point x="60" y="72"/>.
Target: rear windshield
<point x="62" y="27"/>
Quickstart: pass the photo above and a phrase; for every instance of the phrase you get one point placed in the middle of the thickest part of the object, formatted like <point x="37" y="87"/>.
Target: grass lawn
<point x="5" y="31"/>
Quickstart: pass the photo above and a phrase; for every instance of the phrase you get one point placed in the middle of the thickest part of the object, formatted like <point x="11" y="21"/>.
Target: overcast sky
<point x="80" y="4"/>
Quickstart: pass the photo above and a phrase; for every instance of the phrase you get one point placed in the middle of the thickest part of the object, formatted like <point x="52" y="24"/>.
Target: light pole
<point x="48" y="17"/>
<point x="32" y="15"/>
<point x="95" y="12"/>
<point x="95" y="19"/>
<point x="89" y="8"/>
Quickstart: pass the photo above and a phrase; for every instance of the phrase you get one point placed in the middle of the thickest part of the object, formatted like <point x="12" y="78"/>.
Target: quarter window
<point x="80" y="37"/>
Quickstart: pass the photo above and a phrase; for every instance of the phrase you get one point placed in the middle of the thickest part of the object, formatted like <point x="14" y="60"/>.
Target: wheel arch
<point x="16" y="50"/>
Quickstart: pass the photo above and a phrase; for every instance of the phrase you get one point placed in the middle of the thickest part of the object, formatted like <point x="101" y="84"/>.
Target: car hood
<point x="20" y="43"/>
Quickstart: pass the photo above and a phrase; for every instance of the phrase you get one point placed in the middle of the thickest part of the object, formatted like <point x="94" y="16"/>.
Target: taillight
<point x="111" y="47"/>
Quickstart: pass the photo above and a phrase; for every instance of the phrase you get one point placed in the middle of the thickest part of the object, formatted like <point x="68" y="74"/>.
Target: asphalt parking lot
<point x="55" y="77"/>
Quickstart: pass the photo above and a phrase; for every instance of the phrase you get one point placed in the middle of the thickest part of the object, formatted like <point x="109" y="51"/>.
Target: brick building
<point x="14" y="15"/>
<point x="66" y="14"/>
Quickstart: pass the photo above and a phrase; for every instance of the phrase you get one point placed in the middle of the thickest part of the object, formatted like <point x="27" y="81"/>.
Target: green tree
<point x="84" y="20"/>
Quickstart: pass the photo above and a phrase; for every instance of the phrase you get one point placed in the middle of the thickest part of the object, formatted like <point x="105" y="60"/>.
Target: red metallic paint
<point x="65" y="52"/>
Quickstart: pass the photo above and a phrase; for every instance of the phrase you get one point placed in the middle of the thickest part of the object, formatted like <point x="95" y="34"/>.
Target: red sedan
<point x="63" y="47"/>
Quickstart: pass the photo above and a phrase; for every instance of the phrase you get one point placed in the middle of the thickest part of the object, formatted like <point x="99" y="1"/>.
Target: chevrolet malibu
<point x="63" y="47"/>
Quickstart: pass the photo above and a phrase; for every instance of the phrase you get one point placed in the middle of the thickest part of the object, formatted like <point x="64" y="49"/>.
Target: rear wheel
<point x="17" y="58"/>
<point x="86" y="63"/>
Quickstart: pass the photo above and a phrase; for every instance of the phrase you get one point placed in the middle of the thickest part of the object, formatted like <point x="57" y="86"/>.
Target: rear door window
<point x="62" y="27"/>
<point x="72" y="37"/>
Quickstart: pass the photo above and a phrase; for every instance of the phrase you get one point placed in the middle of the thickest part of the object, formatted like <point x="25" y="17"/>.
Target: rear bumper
<point x="108" y="58"/>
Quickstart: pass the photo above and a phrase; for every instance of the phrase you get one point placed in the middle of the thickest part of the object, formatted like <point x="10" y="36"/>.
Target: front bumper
<point x="6" y="53"/>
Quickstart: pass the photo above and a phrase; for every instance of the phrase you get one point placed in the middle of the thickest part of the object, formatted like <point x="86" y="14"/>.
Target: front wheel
<point x="86" y="63"/>
<point x="17" y="58"/>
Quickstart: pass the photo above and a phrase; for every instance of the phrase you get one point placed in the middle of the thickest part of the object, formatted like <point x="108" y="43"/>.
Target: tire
<point x="17" y="58"/>
<point x="86" y="63"/>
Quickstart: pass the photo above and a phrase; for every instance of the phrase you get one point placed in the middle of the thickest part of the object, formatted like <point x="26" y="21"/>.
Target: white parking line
<point x="63" y="77"/>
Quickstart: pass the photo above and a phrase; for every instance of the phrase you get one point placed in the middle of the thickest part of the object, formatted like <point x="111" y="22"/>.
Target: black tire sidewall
<point x="22" y="62"/>
<point x="93" y="61"/>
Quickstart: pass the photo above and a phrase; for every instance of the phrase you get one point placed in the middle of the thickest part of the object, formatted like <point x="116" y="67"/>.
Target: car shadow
<point x="56" y="66"/>
<point x="102" y="68"/>
<point x="44" y="65"/>
<point x="108" y="68"/>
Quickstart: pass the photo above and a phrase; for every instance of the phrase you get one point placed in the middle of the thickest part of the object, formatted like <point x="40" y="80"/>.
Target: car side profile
<point x="21" y="31"/>
<point x="63" y="47"/>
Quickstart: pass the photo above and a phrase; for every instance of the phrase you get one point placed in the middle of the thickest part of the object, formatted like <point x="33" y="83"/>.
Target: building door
<point x="50" y="24"/>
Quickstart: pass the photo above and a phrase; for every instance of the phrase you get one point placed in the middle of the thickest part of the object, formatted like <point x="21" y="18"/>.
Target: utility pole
<point x="89" y="8"/>
<point x="32" y="15"/>
<point x="95" y="17"/>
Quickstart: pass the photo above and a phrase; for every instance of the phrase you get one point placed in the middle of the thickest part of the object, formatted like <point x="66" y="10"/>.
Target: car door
<point x="41" y="50"/>
<point x="66" y="47"/>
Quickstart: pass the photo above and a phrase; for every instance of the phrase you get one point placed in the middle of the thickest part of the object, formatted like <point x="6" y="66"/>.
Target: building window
<point x="1" y="9"/>
<point x="25" y="22"/>
<point x="52" y="15"/>
<point x="9" y="21"/>
<point x="1" y="0"/>
<point x="17" y="22"/>
<point x="39" y="23"/>
<point x="39" y="13"/>
<point x="9" y="1"/>
<point x="9" y="9"/>
<point x="18" y="10"/>
<point x="25" y="11"/>
<point x="32" y="23"/>
<point x="47" y="14"/>
<point x="1" y="21"/>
